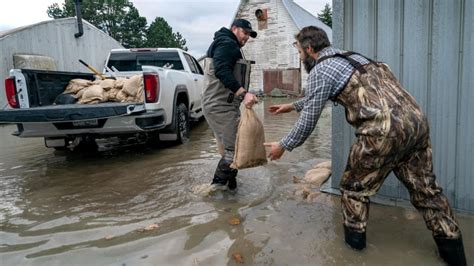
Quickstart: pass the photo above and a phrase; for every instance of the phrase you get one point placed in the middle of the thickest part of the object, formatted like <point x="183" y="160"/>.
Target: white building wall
<point x="272" y="49"/>
<point x="55" y="38"/>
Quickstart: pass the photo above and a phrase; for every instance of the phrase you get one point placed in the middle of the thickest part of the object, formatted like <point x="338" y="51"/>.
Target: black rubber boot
<point x="354" y="239"/>
<point x="451" y="251"/>
<point x="232" y="183"/>
<point x="225" y="175"/>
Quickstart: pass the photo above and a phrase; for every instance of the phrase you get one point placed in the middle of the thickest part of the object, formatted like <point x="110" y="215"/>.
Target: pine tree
<point x="326" y="15"/>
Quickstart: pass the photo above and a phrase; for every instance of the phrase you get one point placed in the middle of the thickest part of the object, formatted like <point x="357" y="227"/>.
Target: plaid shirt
<point x="325" y="81"/>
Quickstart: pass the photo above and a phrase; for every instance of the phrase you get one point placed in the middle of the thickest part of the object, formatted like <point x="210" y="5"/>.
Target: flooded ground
<point x="136" y="206"/>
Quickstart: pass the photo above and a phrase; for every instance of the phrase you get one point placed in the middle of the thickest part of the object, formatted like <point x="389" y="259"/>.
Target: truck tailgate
<point x="70" y="112"/>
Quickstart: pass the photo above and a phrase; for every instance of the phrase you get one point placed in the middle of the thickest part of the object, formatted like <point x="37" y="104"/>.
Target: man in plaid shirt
<point x="392" y="134"/>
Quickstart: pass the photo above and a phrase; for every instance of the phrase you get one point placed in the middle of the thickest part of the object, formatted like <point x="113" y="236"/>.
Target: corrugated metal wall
<point x="55" y="38"/>
<point x="430" y="47"/>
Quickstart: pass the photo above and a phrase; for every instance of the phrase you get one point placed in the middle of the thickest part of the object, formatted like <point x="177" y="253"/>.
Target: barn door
<point x="287" y="80"/>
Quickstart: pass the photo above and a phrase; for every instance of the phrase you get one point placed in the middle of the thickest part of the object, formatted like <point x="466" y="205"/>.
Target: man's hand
<point x="281" y="108"/>
<point x="250" y="99"/>
<point x="276" y="151"/>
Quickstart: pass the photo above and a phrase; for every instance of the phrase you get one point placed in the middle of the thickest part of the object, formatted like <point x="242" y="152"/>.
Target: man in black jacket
<point x="223" y="94"/>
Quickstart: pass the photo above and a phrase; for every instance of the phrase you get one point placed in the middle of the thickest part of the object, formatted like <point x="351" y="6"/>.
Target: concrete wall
<point x="429" y="45"/>
<point x="55" y="38"/>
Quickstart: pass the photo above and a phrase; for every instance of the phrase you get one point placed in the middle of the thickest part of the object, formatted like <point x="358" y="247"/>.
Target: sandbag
<point x="93" y="94"/>
<point x="107" y="84"/>
<point x="317" y="176"/>
<point x="121" y="96"/>
<point x="118" y="84"/>
<point x="325" y="164"/>
<point x="132" y="85"/>
<point x="78" y="95"/>
<point x="249" y="149"/>
<point x="75" y="85"/>
<point x="112" y="94"/>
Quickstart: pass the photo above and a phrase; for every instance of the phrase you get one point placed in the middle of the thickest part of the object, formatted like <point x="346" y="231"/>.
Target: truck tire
<point x="182" y="123"/>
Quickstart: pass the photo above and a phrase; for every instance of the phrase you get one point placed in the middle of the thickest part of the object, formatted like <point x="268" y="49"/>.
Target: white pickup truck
<point x="173" y="83"/>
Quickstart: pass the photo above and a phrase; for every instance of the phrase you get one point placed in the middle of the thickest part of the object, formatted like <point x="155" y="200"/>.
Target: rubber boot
<point x="451" y="251"/>
<point x="225" y="175"/>
<point x="355" y="240"/>
<point x="232" y="185"/>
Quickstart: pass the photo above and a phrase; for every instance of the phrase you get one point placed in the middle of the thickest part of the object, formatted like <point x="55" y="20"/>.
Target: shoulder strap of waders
<point x="352" y="61"/>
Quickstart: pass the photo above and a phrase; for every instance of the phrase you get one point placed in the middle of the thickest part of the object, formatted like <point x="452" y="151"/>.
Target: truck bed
<point x="44" y="86"/>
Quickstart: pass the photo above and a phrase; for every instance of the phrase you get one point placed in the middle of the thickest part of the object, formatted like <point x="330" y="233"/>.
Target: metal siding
<point x="340" y="131"/>
<point x="429" y="46"/>
<point x="55" y="38"/>
<point x="465" y="140"/>
<point x="363" y="21"/>
<point x="415" y="49"/>
<point x="443" y="91"/>
<point x="388" y="49"/>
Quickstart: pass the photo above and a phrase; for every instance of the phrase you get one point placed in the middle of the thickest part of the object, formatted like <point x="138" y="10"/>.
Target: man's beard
<point x="308" y="62"/>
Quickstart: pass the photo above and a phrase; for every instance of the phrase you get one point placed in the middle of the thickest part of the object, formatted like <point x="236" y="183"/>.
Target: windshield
<point x="135" y="61"/>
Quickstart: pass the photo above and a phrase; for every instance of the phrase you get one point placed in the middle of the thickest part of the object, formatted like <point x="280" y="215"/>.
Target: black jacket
<point x="225" y="51"/>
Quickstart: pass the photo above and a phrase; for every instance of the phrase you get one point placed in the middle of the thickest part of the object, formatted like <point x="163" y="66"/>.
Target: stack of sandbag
<point x="249" y="148"/>
<point x="92" y="94"/>
<point x="107" y="90"/>
<point x="75" y="85"/>
<point x="132" y="90"/>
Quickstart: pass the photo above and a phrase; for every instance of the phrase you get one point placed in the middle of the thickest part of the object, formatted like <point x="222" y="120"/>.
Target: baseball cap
<point x="245" y="24"/>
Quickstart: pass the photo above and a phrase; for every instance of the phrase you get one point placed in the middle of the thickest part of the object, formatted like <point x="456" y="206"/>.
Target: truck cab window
<point x="135" y="61"/>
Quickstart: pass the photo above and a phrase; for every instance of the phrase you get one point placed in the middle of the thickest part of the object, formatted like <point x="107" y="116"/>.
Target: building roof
<point x="5" y="33"/>
<point x="303" y="18"/>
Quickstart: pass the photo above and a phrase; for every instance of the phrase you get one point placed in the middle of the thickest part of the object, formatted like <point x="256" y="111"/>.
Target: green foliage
<point x="122" y="21"/>
<point x="326" y="15"/>
<point x="160" y="34"/>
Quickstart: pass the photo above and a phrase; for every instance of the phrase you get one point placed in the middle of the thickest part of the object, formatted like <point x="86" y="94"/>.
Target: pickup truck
<point x="172" y="80"/>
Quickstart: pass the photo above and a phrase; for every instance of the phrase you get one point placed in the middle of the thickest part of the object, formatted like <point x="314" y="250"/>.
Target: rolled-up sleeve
<point x="311" y="106"/>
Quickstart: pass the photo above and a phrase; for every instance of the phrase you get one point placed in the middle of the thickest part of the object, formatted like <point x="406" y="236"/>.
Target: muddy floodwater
<point x="136" y="205"/>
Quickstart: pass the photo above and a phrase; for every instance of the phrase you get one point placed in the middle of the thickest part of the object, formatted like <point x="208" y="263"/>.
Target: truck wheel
<point x="182" y="123"/>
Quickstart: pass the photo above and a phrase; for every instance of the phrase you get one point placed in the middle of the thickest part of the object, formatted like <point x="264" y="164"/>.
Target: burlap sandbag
<point x="140" y="97"/>
<point x="112" y="95"/>
<point x="78" y="95"/>
<point x="317" y="176"/>
<point x="118" y="84"/>
<point x="132" y="85"/>
<point x="249" y="149"/>
<point x="107" y="84"/>
<point x="93" y="94"/>
<point x="76" y="85"/>
<point x="121" y="96"/>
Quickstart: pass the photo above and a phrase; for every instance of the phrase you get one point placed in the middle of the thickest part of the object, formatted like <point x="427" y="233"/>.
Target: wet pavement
<point x="135" y="206"/>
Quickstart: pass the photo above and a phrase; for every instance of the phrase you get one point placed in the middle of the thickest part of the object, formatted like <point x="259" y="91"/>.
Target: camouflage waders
<point x="392" y="135"/>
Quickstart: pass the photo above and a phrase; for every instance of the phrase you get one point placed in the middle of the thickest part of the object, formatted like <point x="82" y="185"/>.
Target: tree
<point x="160" y="34"/>
<point x="326" y="15"/>
<point x="118" y="18"/>
<point x="133" y="29"/>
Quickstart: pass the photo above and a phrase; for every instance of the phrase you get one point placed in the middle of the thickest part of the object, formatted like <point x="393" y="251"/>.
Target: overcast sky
<point x="196" y="20"/>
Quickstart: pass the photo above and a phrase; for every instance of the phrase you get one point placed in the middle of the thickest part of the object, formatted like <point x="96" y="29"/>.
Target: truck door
<point x="197" y="78"/>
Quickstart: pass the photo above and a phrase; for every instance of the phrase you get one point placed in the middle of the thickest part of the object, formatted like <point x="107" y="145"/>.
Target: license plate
<point x="85" y="123"/>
